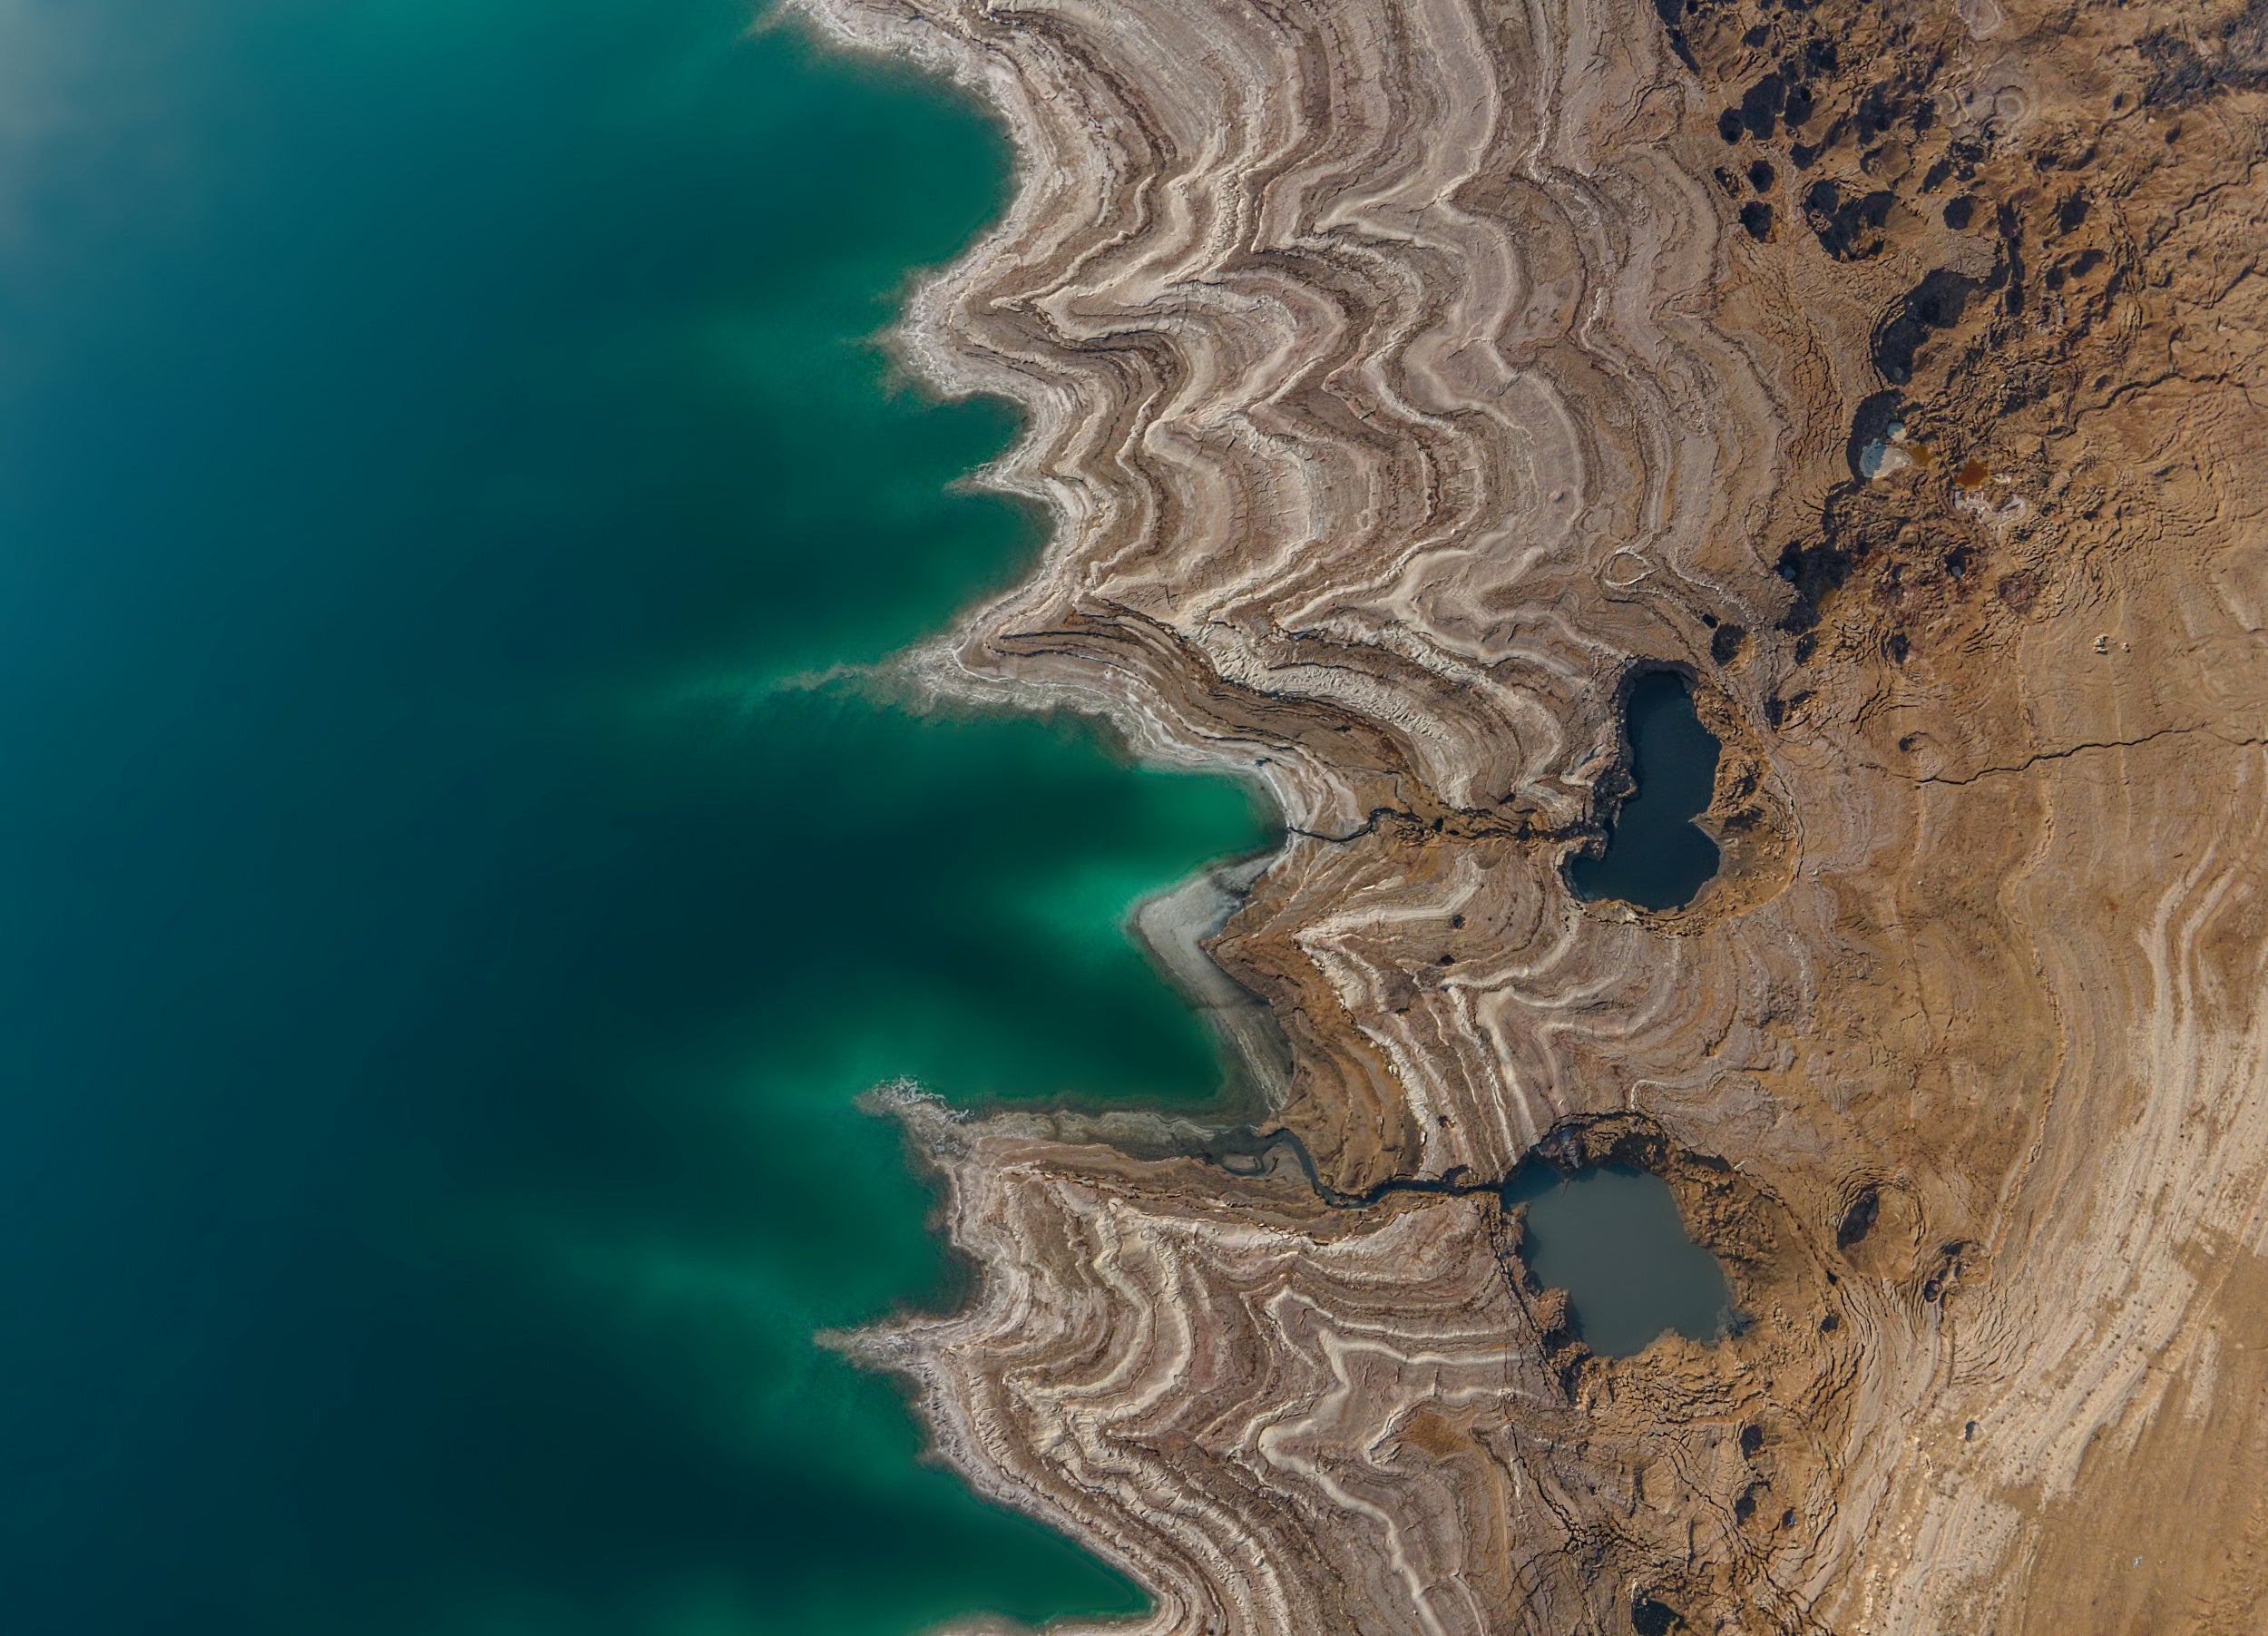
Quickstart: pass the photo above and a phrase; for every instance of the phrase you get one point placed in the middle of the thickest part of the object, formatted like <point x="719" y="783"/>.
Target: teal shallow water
<point x="439" y="966"/>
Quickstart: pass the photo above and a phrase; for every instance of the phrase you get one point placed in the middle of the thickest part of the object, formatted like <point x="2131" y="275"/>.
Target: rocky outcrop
<point x="1400" y="374"/>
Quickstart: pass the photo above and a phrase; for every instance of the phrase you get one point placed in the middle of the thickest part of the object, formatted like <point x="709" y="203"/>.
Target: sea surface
<point x="442" y="941"/>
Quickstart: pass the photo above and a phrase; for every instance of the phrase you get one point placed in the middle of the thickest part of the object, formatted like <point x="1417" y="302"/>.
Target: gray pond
<point x="1612" y="1239"/>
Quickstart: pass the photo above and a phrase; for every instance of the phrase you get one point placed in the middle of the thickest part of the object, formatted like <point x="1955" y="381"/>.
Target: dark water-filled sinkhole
<point x="1655" y="857"/>
<point x="1612" y="1239"/>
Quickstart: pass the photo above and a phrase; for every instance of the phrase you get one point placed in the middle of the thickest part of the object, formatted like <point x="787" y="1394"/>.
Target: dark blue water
<point x="1612" y="1239"/>
<point x="1655" y="857"/>
<point x="438" y="962"/>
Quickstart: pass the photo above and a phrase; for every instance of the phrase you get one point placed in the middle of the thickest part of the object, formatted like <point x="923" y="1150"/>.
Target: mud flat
<point x="1404" y="373"/>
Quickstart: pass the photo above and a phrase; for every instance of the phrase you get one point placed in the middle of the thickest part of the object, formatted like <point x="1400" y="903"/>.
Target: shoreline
<point x="1400" y="373"/>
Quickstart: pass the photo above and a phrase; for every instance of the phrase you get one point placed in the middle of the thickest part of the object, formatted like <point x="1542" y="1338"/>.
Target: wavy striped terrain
<point x="1405" y="375"/>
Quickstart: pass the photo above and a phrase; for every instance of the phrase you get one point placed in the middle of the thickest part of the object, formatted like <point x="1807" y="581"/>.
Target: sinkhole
<point x="1655" y="858"/>
<point x="1611" y="1237"/>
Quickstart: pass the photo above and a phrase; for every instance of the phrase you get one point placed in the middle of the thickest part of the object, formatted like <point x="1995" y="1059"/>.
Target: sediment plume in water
<point x="1400" y="375"/>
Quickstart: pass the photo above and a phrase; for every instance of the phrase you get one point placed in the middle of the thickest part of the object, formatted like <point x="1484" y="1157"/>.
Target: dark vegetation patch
<point x="1859" y="1219"/>
<point x="2188" y="65"/>
<point x="1672" y="13"/>
<point x="1935" y="303"/>
<point x="1761" y="104"/>
<point x="1815" y="571"/>
<point x="1859" y="98"/>
<point x="1652" y="1617"/>
<point x="1850" y="226"/>
<point x="2010" y="225"/>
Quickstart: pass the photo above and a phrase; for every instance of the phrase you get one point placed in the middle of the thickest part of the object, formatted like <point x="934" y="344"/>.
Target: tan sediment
<point x="1401" y="373"/>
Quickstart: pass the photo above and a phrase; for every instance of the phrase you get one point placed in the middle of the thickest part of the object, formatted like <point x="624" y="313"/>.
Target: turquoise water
<point x="439" y="962"/>
<point x="1655" y="857"/>
<point x="1612" y="1239"/>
